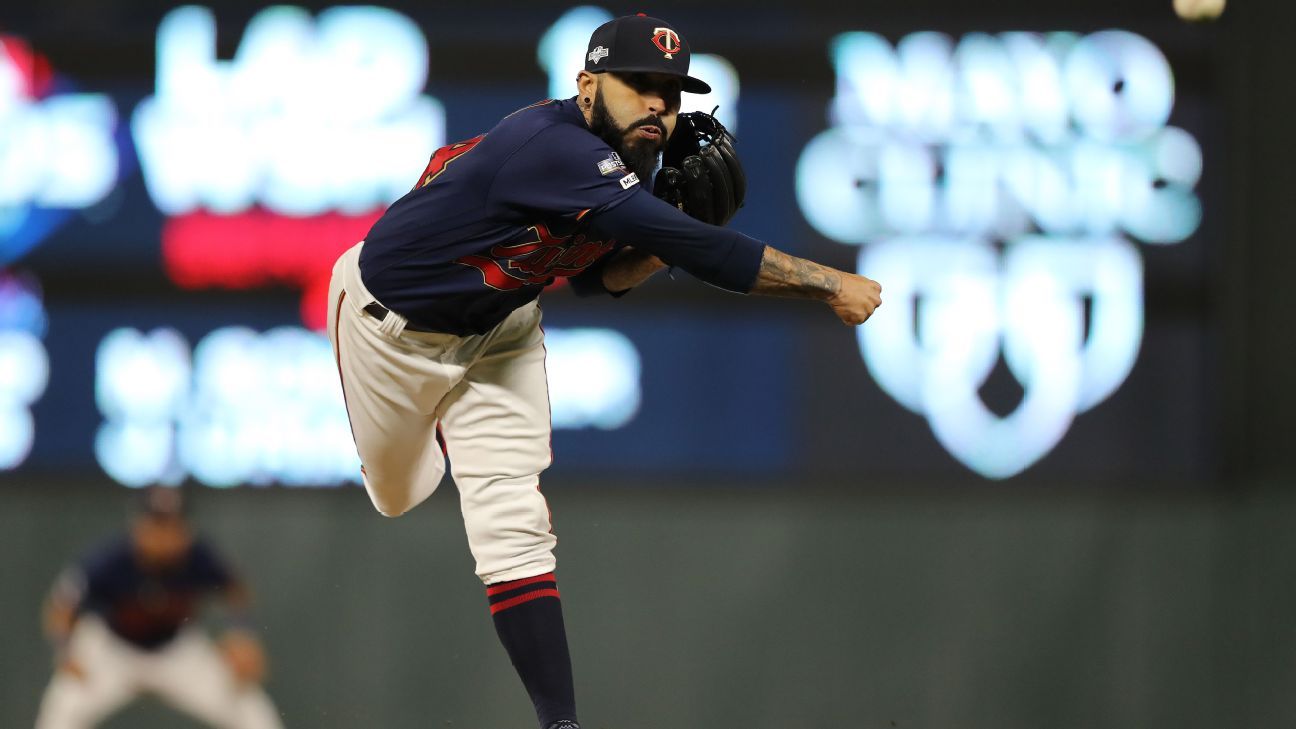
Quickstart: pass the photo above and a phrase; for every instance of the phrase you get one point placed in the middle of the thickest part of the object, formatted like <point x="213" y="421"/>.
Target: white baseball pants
<point x="188" y="673"/>
<point x="489" y="396"/>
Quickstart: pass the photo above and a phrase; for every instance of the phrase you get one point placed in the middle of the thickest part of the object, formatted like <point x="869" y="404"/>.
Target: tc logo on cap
<point x="666" y="40"/>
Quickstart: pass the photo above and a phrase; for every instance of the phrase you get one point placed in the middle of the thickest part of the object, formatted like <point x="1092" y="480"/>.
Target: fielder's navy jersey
<point x="144" y="607"/>
<point x="497" y="217"/>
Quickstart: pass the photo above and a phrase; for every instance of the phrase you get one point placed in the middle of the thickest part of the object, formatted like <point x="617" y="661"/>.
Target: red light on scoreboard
<point x="258" y="248"/>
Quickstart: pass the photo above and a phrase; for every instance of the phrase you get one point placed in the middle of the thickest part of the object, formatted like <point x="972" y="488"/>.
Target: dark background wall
<point x="1262" y="340"/>
<point x="767" y="609"/>
<point x="838" y="600"/>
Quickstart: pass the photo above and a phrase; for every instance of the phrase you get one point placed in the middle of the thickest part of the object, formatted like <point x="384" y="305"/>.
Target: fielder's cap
<point x="161" y="502"/>
<point x="643" y="44"/>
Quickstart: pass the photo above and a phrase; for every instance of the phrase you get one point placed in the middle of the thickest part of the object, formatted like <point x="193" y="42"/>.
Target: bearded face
<point x="639" y="143"/>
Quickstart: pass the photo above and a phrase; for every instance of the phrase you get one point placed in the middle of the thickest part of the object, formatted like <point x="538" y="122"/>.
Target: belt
<point x="379" y="312"/>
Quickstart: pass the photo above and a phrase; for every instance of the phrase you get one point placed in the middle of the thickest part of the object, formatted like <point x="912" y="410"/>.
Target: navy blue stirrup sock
<point x="528" y="618"/>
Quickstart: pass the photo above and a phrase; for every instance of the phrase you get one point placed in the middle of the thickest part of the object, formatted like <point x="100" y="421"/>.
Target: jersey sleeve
<point x="563" y="170"/>
<point x="719" y="256"/>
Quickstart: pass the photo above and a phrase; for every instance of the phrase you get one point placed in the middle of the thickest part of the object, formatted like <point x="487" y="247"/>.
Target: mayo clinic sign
<point x="998" y="186"/>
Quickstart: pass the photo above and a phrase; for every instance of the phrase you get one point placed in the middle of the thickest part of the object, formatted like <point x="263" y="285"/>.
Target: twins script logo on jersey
<point x="536" y="261"/>
<point x="667" y="41"/>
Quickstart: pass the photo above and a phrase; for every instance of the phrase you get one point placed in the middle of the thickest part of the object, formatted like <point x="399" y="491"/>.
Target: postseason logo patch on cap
<point x="597" y="55"/>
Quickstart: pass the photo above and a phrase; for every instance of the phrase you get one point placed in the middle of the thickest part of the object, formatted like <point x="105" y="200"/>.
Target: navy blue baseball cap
<point x="643" y="44"/>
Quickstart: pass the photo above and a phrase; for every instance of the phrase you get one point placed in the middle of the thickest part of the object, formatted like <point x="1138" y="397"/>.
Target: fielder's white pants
<point x="489" y="396"/>
<point x="188" y="673"/>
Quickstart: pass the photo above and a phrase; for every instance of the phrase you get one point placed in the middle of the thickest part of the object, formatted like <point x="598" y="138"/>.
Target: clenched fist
<point x="855" y="301"/>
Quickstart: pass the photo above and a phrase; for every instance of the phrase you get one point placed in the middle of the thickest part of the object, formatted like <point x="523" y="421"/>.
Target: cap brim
<point x="691" y="85"/>
<point x="696" y="85"/>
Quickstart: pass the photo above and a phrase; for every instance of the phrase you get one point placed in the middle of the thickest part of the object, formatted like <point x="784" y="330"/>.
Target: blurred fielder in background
<point x="122" y="625"/>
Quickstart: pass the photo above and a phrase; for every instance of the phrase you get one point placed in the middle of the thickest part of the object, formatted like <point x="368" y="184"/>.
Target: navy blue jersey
<point x="144" y="607"/>
<point x="497" y="217"/>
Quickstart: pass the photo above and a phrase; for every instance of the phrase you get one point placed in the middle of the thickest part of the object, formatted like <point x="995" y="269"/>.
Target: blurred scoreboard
<point x="1037" y="206"/>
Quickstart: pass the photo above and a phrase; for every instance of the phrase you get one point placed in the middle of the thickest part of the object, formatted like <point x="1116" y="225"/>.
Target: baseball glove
<point x="700" y="173"/>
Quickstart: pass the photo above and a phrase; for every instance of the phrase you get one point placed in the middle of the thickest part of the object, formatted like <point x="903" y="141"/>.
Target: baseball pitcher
<point x="436" y="327"/>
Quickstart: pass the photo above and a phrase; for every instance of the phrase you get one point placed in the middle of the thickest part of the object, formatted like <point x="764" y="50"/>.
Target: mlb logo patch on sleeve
<point x="629" y="180"/>
<point x="612" y="164"/>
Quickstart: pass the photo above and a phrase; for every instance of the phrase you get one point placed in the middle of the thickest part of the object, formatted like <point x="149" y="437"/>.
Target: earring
<point x="586" y="100"/>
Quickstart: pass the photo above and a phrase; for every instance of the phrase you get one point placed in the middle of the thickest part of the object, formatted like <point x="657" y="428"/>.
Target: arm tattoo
<point x="784" y="275"/>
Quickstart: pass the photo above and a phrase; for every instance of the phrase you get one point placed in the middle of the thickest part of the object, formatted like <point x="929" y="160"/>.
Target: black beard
<point x="639" y="154"/>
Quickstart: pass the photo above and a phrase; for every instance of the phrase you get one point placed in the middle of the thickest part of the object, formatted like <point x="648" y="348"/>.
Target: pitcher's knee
<point x="391" y="511"/>
<point x="397" y="482"/>
<point x="391" y="503"/>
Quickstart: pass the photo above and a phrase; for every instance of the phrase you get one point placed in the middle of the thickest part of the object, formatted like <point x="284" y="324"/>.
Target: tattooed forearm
<point x="784" y="275"/>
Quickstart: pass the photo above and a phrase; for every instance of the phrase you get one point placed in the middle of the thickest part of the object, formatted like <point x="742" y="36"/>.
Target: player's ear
<point x="586" y="89"/>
